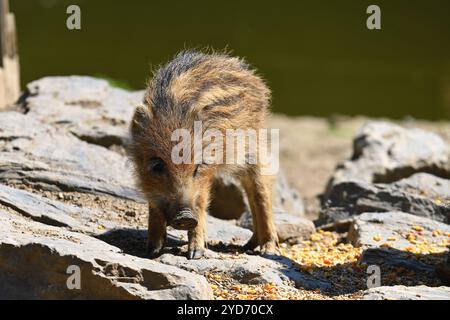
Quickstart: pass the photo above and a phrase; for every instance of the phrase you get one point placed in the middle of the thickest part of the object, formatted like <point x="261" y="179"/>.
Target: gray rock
<point x="39" y="155"/>
<point x="387" y="258"/>
<point x="34" y="259"/>
<point x="427" y="185"/>
<point x="246" y="268"/>
<point x="421" y="194"/>
<point x="224" y="240"/>
<point x="384" y="152"/>
<point x="87" y="107"/>
<point x="228" y="199"/>
<point x="49" y="212"/>
<point x="55" y="213"/>
<point x="393" y="224"/>
<point x="63" y="143"/>
<point x="407" y="293"/>
<point x="290" y="228"/>
<point x="285" y="199"/>
<point x="219" y="233"/>
<point x="443" y="270"/>
<point x="218" y="230"/>
<point x="384" y="236"/>
<point x="250" y="269"/>
<point x="222" y="231"/>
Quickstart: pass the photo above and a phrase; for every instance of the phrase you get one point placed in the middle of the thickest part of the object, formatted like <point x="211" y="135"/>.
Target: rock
<point x="89" y="108"/>
<point x="250" y="269"/>
<point x="384" y="152"/>
<point x="41" y="156"/>
<point x="71" y="139"/>
<point x="220" y="231"/>
<point x="290" y="228"/>
<point x="394" y="225"/>
<point x="285" y="199"/>
<point x="88" y="220"/>
<point x="132" y="239"/>
<point x="55" y="213"/>
<point x="390" y="260"/>
<point x="421" y="194"/>
<point x="49" y="212"/>
<point x="392" y="169"/>
<point x="34" y="259"/>
<point x="407" y="293"/>
<point x="226" y="238"/>
<point x="443" y="271"/>
<point x="228" y="200"/>
<point x="392" y="238"/>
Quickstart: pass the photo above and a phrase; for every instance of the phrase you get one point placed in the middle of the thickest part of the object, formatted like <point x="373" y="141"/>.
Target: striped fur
<point x="224" y="93"/>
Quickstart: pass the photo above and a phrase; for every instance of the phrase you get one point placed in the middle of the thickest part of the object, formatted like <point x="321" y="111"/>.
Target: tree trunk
<point x="9" y="58"/>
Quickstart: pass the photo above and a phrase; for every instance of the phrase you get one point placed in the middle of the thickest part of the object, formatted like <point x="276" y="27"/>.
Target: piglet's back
<point x="221" y="90"/>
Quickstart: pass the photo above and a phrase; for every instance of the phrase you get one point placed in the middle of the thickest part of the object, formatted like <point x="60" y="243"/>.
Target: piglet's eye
<point x="156" y="166"/>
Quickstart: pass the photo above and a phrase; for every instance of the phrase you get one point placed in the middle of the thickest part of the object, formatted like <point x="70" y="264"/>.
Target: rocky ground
<point x="67" y="198"/>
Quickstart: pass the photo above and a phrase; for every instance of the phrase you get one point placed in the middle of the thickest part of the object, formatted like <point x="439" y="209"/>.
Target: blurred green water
<point x="317" y="56"/>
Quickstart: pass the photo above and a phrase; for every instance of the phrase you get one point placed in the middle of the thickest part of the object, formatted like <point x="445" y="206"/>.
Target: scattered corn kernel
<point x="436" y="233"/>
<point x="323" y="257"/>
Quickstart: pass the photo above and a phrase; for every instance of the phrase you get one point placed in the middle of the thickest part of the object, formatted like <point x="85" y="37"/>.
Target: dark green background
<point x="318" y="56"/>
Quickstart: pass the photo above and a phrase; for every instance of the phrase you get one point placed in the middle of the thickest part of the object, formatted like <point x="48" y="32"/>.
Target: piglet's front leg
<point x="157" y="233"/>
<point x="197" y="241"/>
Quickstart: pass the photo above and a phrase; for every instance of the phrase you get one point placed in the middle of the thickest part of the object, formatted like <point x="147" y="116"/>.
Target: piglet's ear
<point x="141" y="120"/>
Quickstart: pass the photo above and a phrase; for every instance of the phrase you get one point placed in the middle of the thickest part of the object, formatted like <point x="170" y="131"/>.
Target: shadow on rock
<point x="395" y="267"/>
<point x="133" y="241"/>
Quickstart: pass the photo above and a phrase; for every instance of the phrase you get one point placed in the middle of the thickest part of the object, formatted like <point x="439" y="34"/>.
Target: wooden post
<point x="9" y="58"/>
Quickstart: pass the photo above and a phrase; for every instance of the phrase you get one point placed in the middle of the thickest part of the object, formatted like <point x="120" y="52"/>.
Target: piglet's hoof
<point x="195" y="253"/>
<point x="153" y="252"/>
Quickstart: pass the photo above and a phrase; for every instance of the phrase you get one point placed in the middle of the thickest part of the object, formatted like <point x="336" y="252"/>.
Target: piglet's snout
<point x="184" y="220"/>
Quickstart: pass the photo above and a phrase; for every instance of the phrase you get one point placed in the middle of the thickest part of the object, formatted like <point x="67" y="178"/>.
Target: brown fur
<point x="224" y="93"/>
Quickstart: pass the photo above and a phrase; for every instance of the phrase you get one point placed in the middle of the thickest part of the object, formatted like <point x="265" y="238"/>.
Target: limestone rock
<point x="386" y="237"/>
<point x="39" y="155"/>
<point x="55" y="213"/>
<point x="87" y="107"/>
<point x="421" y="194"/>
<point x="228" y="199"/>
<point x="290" y="228"/>
<point x="393" y="228"/>
<point x="34" y="259"/>
<point x="384" y="152"/>
<point x="407" y="293"/>
<point x="249" y="269"/>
